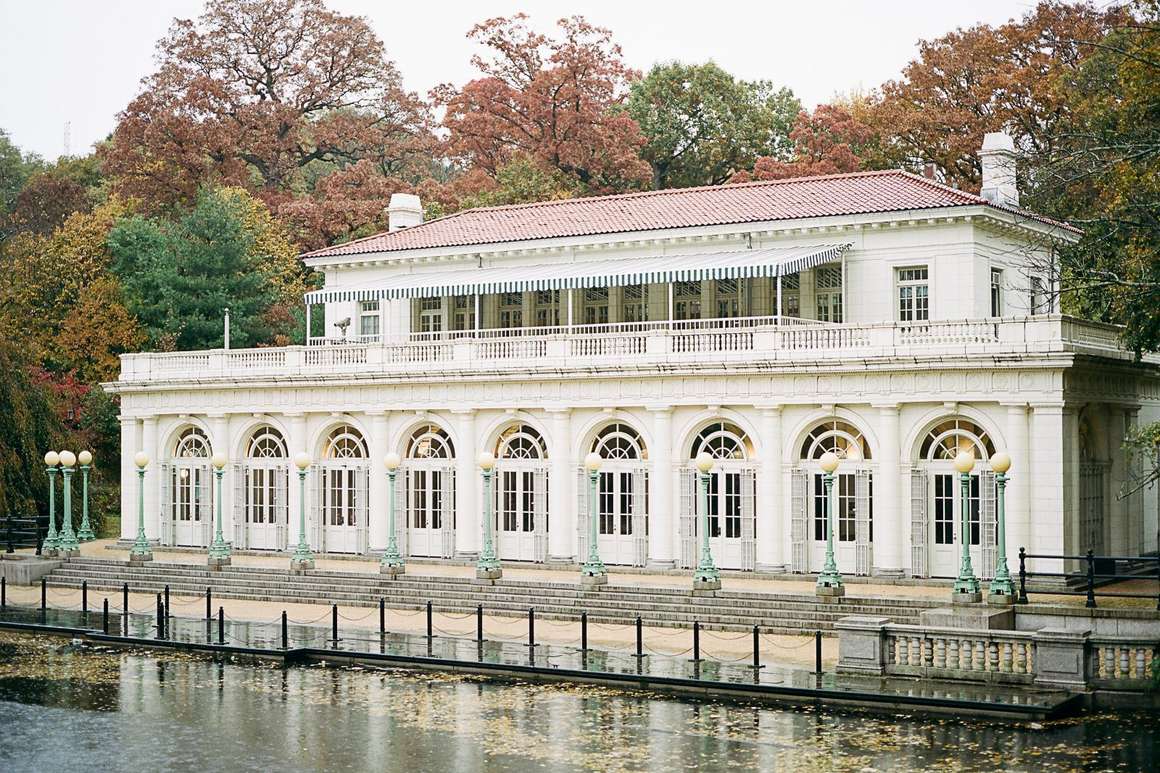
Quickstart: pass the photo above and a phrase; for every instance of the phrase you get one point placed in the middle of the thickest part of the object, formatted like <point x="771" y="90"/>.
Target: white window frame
<point x="996" y="292"/>
<point x="901" y="284"/>
<point x="369" y="318"/>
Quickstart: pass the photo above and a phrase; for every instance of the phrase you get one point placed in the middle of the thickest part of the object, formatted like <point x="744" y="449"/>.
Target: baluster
<point x="1123" y="662"/>
<point x="927" y="651"/>
<point x="980" y="663"/>
<point x="1109" y="662"/>
<point x="953" y="654"/>
<point x="1141" y="673"/>
<point x="891" y="643"/>
<point x="940" y="652"/>
<point x="992" y="656"/>
<point x="904" y="650"/>
<point x="915" y="651"/>
<point x="1006" y="666"/>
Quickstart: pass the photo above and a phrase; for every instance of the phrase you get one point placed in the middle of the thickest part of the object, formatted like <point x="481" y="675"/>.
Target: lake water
<point x="67" y="708"/>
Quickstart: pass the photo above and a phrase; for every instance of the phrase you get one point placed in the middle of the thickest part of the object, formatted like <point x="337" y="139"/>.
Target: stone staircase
<point x="790" y="613"/>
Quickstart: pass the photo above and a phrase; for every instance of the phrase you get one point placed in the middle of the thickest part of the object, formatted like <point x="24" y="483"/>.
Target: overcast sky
<point x="81" y="61"/>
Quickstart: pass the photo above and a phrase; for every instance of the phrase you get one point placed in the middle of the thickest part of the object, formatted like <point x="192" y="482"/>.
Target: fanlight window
<point x="267" y="443"/>
<point x="722" y="440"/>
<point x="191" y="444"/>
<point x="521" y="442"/>
<point x="947" y="438"/>
<point x="839" y="437"/>
<point x="430" y="442"/>
<point x="345" y="442"/>
<point x="619" y="441"/>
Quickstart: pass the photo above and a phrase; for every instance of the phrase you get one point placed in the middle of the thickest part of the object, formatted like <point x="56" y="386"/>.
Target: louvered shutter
<point x="863" y="549"/>
<point x="362" y="483"/>
<point x="748" y="520"/>
<point x="540" y="524"/>
<point x="404" y="490"/>
<point x="447" y="505"/>
<point x="242" y="485"/>
<point x="640" y="516"/>
<point x="688" y="525"/>
<point x="320" y="483"/>
<point x="919" y="528"/>
<point x="582" y="526"/>
<point x="989" y="526"/>
<point x="799" y="521"/>
<point x="206" y="493"/>
<point x="282" y="505"/>
<point x="165" y="515"/>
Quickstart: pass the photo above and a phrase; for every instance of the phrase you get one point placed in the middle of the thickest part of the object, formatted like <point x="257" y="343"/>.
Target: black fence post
<point x="756" y="649"/>
<point x="1158" y="581"/>
<point x="696" y="641"/>
<point x="1022" y="576"/>
<point x="105" y="618"/>
<point x="285" y="631"/>
<point x="85" y="597"/>
<point x="584" y="632"/>
<point x="160" y="618"/>
<point x="639" y="638"/>
<point x="3" y="593"/>
<point x="531" y="627"/>
<point x="479" y="623"/>
<point x="1091" y="580"/>
<point x="125" y="601"/>
<point x="334" y="625"/>
<point x="43" y="595"/>
<point x="382" y="617"/>
<point x="818" y="652"/>
<point x="208" y="603"/>
<point x="221" y="625"/>
<point x="167" y="600"/>
<point x="429" y="622"/>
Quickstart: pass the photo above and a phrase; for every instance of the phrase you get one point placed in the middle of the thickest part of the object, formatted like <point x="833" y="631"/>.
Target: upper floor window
<point x="368" y="318"/>
<point x="996" y="292"/>
<point x="511" y="310"/>
<point x="828" y="293"/>
<point x="464" y="316"/>
<point x="547" y="308"/>
<point x="634" y="302"/>
<point x="687" y="300"/>
<point x="596" y="305"/>
<point x="791" y="295"/>
<point x="430" y="315"/>
<point x="1039" y="302"/>
<point x="913" y="294"/>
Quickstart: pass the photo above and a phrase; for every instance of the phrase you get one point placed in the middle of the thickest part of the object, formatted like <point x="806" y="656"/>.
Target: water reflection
<point x="132" y="711"/>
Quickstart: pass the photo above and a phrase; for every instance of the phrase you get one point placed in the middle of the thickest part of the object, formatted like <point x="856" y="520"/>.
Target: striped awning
<point x="768" y="262"/>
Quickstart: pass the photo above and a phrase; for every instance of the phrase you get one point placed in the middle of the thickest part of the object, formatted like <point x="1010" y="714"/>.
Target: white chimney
<point x="404" y="211"/>
<point x="998" y="161"/>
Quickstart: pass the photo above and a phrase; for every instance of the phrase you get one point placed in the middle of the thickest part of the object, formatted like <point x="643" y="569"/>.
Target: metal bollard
<point x="1158" y="581"/>
<point x="3" y="593"/>
<point x="818" y="652"/>
<point x="639" y="637"/>
<point x="756" y="649"/>
<point x="1091" y="580"/>
<point x="285" y="632"/>
<point x="85" y="597"/>
<point x="334" y="625"/>
<point x="208" y="603"/>
<point x="429" y="622"/>
<point x="583" y="631"/>
<point x="382" y="617"/>
<point x="479" y="623"/>
<point x="167" y="601"/>
<point x="221" y="625"/>
<point x="696" y="641"/>
<point x="125" y="601"/>
<point x="532" y="627"/>
<point x="105" y="618"/>
<point x="43" y="595"/>
<point x="160" y="618"/>
<point x="1022" y="576"/>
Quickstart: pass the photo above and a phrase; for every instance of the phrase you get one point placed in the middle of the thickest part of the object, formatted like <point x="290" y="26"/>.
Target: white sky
<point x="80" y="61"/>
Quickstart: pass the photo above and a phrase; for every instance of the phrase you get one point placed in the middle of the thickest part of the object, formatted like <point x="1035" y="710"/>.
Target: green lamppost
<point x="830" y="580"/>
<point x="966" y="588"/>
<point x="302" y="559"/>
<point x="391" y="563"/>
<point x="219" y="549"/>
<point x="140" y="551"/>
<point x="487" y="568"/>
<point x="51" y="541"/>
<point x="593" y="571"/>
<point x="1002" y="589"/>
<point x="85" y="534"/>
<point x="706" y="577"/>
<point x="67" y="545"/>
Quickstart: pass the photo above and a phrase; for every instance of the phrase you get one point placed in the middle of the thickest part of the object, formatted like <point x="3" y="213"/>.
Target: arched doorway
<point x="853" y="500"/>
<point x="732" y="481"/>
<point x="342" y="505"/>
<point x="429" y="486"/>
<point x="937" y="501"/>
<point x="521" y="494"/>
<point x="261" y="483"/>
<point x="622" y="497"/>
<point x="187" y="511"/>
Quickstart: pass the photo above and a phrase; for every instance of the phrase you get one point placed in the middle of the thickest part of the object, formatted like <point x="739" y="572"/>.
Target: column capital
<point x="1014" y="405"/>
<point x="217" y="415"/>
<point x="558" y="412"/>
<point x="659" y="408"/>
<point x="150" y="419"/>
<point x="769" y="409"/>
<point x="293" y="414"/>
<point x="887" y="406"/>
<point x="463" y="411"/>
<point x="376" y="412"/>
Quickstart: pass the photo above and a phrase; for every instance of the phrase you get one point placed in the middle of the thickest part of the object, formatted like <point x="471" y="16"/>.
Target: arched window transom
<point x="266" y="443"/>
<point x="191" y="444"/>
<point x="345" y="442"/>
<point x="520" y="441"/>
<point x="946" y="438"/>
<point x="838" y="437"/>
<point x="620" y="441"/>
<point x="722" y="440"/>
<point x="430" y="442"/>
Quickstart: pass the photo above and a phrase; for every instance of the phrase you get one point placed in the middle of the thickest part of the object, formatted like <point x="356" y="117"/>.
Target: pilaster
<point x="894" y="519"/>
<point x="152" y="478"/>
<point x="377" y="510"/>
<point x="561" y="498"/>
<point x="771" y="553"/>
<point x="662" y="512"/>
<point x="467" y="485"/>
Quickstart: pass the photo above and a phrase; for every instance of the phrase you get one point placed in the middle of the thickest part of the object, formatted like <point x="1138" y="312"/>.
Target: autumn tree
<point x="253" y="93"/>
<point x="553" y="99"/>
<point x="826" y="141"/>
<point x="15" y="169"/>
<point x="702" y="125"/>
<point x="1015" y="77"/>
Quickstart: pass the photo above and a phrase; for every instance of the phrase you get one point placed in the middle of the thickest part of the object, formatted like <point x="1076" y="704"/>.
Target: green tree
<point x="703" y="125"/>
<point x="180" y="277"/>
<point x="15" y="169"/>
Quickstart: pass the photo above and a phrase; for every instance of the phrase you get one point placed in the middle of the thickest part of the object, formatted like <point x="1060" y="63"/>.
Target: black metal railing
<point x="23" y="532"/>
<point x="1098" y="571"/>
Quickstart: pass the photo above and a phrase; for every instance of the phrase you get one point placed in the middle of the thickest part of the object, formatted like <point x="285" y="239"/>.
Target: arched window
<point x="345" y="442"/>
<point x="946" y="438"/>
<point x="836" y="436"/>
<point x="620" y="442"/>
<point x="430" y="442"/>
<point x="191" y="444"/>
<point x="722" y="440"/>
<point x="266" y="443"/>
<point x="521" y="441"/>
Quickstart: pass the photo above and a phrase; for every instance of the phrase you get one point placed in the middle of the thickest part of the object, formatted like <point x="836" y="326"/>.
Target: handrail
<point x="1090" y="559"/>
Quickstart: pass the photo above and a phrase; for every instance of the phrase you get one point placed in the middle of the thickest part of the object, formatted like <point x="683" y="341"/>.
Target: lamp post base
<point x="217" y="562"/>
<point x="592" y="580"/>
<point x="488" y="572"/>
<point x="137" y="559"/>
<point x="999" y="598"/>
<point x="86" y="535"/>
<point x="703" y="582"/>
<point x="67" y="552"/>
<point x="966" y="597"/>
<point x="301" y="563"/>
<point x="392" y="570"/>
<point x="829" y="591"/>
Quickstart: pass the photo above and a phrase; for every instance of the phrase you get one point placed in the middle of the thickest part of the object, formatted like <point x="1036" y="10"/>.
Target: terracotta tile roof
<point x="802" y="197"/>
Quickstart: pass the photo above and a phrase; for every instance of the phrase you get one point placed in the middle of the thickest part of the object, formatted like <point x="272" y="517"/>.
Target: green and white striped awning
<point x="769" y="262"/>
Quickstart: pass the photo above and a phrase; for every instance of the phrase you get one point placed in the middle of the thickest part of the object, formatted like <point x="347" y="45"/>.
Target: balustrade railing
<point x="1005" y="656"/>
